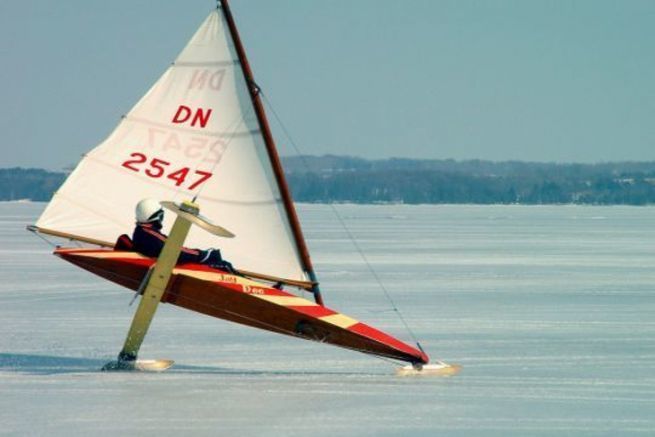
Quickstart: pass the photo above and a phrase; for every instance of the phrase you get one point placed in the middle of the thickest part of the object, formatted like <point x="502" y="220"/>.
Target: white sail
<point x="194" y="133"/>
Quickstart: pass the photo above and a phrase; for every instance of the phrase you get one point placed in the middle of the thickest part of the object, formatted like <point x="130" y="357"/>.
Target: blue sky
<point x="526" y="80"/>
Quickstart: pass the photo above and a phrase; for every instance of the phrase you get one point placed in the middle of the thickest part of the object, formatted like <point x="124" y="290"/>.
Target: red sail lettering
<point x="200" y="117"/>
<point x="183" y="113"/>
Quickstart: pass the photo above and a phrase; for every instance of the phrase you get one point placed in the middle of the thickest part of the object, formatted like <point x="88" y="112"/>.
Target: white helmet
<point x="148" y="211"/>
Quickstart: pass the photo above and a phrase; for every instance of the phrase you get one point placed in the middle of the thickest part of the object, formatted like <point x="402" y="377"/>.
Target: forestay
<point x="194" y="133"/>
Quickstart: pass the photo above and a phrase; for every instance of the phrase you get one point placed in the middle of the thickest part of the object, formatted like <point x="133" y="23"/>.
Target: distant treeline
<point x="348" y="179"/>
<point x="28" y="183"/>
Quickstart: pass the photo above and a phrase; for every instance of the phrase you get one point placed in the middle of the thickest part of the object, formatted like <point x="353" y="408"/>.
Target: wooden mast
<point x="271" y="149"/>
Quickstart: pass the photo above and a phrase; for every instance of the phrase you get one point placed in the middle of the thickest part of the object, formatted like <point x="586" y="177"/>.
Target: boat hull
<point x="218" y="294"/>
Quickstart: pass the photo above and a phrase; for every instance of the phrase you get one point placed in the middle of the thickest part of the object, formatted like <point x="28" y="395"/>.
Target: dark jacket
<point x="149" y="241"/>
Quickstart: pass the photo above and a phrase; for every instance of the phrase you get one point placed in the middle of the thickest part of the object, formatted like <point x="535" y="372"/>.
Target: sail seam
<point x="84" y="207"/>
<point x="230" y="63"/>
<point x="215" y="134"/>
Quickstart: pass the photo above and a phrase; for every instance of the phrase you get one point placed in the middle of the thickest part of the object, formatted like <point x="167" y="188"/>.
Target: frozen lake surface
<point x="550" y="310"/>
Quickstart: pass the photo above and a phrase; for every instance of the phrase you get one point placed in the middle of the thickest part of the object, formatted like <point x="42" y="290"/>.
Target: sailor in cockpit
<point x="148" y="239"/>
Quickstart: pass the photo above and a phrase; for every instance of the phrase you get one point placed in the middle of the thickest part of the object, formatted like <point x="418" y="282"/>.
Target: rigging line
<point x="343" y="224"/>
<point x="375" y="275"/>
<point x="38" y="234"/>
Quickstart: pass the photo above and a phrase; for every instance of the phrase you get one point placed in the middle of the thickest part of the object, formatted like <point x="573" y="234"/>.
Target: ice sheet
<point x="549" y="309"/>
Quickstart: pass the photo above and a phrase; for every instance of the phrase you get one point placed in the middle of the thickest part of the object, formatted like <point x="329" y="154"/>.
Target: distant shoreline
<point x="415" y="205"/>
<point x="350" y="180"/>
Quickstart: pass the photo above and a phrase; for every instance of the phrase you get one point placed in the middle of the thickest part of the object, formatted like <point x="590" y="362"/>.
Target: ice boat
<point x="201" y="133"/>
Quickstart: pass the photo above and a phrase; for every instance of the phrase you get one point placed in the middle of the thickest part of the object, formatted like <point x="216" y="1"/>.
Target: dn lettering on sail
<point x="186" y="114"/>
<point x="207" y="79"/>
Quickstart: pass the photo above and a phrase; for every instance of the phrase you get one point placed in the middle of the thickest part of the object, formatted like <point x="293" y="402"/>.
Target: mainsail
<point x="194" y="133"/>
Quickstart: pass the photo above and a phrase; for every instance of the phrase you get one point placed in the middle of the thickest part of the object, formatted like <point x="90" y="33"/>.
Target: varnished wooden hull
<point x="229" y="297"/>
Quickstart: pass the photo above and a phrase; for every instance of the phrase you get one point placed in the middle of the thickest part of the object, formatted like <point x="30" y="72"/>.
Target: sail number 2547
<point x="158" y="168"/>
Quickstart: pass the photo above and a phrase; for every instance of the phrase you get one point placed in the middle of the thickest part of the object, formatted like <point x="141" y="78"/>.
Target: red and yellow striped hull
<point x="212" y="292"/>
